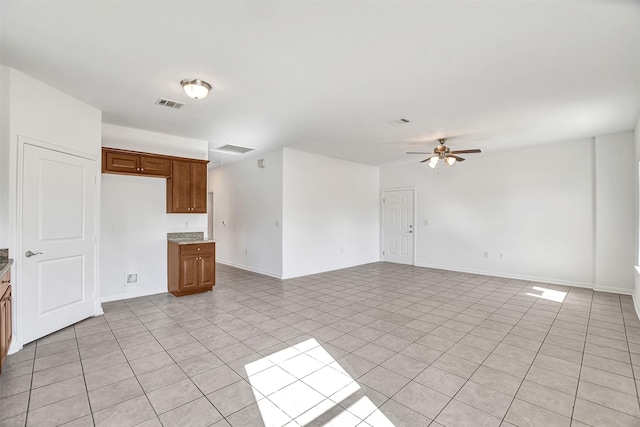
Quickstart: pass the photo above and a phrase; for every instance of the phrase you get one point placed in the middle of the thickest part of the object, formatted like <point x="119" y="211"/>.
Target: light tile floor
<point x="374" y="345"/>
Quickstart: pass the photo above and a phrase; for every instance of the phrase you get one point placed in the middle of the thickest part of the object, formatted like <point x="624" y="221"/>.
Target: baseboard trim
<point x="549" y="280"/>
<point x="14" y="347"/>
<point x="251" y="269"/>
<point x="613" y="290"/>
<point x="137" y="294"/>
<point x="293" y="275"/>
<point x="309" y="273"/>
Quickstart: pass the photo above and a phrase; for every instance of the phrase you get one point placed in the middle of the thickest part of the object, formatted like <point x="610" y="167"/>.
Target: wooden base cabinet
<point x="5" y="316"/>
<point x="191" y="268"/>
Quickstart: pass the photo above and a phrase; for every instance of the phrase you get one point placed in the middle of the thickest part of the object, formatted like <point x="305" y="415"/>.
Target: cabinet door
<point x="3" y="329"/>
<point x="199" y="187"/>
<point x="4" y="346"/>
<point x="121" y="162"/>
<point x="9" y="322"/>
<point x="207" y="270"/>
<point x="189" y="266"/>
<point x="180" y="188"/>
<point x="155" y="166"/>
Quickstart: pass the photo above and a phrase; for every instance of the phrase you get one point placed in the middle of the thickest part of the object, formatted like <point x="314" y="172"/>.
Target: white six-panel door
<point x="397" y="226"/>
<point x="58" y="232"/>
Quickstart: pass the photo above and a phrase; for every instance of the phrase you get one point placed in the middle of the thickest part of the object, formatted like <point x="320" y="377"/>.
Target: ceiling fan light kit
<point x="196" y="88"/>
<point x="442" y="152"/>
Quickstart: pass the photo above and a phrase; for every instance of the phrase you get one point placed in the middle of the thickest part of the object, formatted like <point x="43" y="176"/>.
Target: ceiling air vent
<point x="171" y="104"/>
<point x="400" y="122"/>
<point x="235" y="149"/>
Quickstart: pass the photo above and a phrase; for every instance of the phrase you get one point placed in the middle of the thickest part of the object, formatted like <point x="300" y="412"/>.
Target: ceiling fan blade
<point x="429" y="158"/>
<point x="419" y="152"/>
<point x="459" y="159"/>
<point x="476" y="150"/>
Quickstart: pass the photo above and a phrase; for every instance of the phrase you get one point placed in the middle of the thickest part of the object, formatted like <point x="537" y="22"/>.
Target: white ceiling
<point x="328" y="77"/>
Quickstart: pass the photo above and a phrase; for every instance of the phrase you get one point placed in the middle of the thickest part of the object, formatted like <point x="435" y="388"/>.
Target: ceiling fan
<point x="442" y="152"/>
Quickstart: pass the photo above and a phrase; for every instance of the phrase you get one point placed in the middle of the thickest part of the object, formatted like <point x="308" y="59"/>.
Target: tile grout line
<point x="467" y="380"/>
<point x="381" y="300"/>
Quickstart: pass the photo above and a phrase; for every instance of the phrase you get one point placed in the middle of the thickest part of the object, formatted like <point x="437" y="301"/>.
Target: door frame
<point x="211" y="217"/>
<point x="415" y="221"/>
<point x="18" y="255"/>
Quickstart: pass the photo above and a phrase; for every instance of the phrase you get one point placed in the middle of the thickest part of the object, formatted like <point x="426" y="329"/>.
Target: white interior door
<point x="397" y="226"/>
<point x="58" y="234"/>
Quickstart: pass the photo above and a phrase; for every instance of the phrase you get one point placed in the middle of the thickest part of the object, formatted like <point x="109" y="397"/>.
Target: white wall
<point x="533" y="204"/>
<point x="134" y="222"/>
<point x="5" y="122"/>
<point x="152" y="142"/>
<point x="615" y="183"/>
<point x="560" y="212"/>
<point x="37" y="111"/>
<point x="248" y="199"/>
<point x="330" y="214"/>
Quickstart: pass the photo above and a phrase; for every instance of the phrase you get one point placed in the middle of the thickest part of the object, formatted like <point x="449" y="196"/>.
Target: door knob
<point x="29" y="254"/>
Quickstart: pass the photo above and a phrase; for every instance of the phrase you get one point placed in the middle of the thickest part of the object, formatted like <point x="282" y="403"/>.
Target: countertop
<point x="5" y="264"/>
<point x="190" y="241"/>
<point x="188" y="238"/>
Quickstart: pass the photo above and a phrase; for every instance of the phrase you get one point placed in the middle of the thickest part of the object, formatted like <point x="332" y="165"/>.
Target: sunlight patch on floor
<point x="300" y="385"/>
<point x="548" y="294"/>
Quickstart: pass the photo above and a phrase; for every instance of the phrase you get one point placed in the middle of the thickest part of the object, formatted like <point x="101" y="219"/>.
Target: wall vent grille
<point x="170" y="104"/>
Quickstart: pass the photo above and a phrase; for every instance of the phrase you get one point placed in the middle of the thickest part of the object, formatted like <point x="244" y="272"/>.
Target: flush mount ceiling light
<point x="196" y="88"/>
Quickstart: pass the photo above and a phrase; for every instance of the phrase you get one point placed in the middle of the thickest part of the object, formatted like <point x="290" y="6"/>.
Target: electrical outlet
<point x="502" y="255"/>
<point x="245" y="252"/>
<point x="277" y="223"/>
<point x="486" y="254"/>
<point x="425" y="222"/>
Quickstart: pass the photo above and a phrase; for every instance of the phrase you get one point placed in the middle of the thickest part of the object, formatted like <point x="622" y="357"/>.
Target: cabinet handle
<point x="9" y="281"/>
<point x="141" y="169"/>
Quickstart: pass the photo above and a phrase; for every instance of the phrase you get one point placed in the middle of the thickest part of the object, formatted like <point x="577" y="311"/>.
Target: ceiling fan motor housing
<point x="441" y="151"/>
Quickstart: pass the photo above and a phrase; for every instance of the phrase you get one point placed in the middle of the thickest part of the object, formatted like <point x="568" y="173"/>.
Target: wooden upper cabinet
<point x="187" y="187"/>
<point x="115" y="162"/>
<point x="156" y="166"/>
<point x="186" y="178"/>
<point x="132" y="163"/>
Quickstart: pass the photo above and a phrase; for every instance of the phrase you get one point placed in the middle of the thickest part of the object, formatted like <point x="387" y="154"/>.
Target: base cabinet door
<point x="207" y="271"/>
<point x="5" y="321"/>
<point x="189" y="265"/>
<point x="3" y="331"/>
